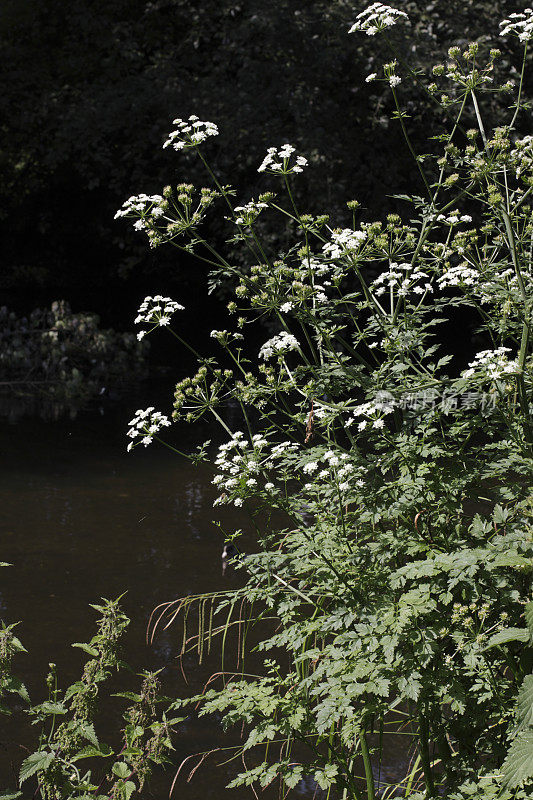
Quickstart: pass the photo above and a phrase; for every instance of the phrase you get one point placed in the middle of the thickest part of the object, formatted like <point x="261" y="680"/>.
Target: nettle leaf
<point x="508" y="635"/>
<point x="128" y="789"/>
<point x="102" y="751"/>
<point x="50" y="708"/>
<point x="518" y="766"/>
<point x="92" y="651"/>
<point x="121" y="770"/>
<point x="34" y="763"/>
<point x="87" y="730"/>
<point x="524" y="703"/>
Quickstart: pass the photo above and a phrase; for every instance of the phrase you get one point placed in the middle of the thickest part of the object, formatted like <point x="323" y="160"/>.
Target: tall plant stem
<point x="369" y="777"/>
<point x="424" y="755"/>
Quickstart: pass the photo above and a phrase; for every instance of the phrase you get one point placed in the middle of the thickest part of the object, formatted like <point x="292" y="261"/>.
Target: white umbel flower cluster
<point x="190" y="133"/>
<point x="144" y="425"/>
<point x="492" y="364"/>
<point x="156" y="311"/>
<point x="377" y="17"/>
<point x="519" y="24"/>
<point x="461" y="275"/>
<point x="248" y="213"/>
<point x="141" y="204"/>
<point x="280" y="162"/>
<point x="402" y="278"/>
<point x="279" y="345"/>
<point x="344" y="241"/>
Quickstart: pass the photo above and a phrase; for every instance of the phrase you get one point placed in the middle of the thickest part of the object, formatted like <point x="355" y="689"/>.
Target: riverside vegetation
<point x="395" y="597"/>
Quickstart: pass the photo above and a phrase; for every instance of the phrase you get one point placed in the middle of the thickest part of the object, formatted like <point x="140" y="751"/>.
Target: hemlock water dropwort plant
<point x="394" y="553"/>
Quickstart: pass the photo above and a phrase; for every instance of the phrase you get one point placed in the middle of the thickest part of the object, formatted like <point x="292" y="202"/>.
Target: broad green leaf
<point x="92" y="651"/>
<point x="37" y="761"/>
<point x="75" y="688"/>
<point x="14" y="685"/>
<point x="87" y="730"/>
<point x="508" y="635"/>
<point x="50" y="708"/>
<point x="128" y="789"/>
<point x="103" y="751"/>
<point x="121" y="770"/>
<point x="518" y="766"/>
<point x="525" y="703"/>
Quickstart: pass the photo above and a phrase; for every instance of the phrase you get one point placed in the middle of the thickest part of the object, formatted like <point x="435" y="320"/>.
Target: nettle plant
<point x="71" y="760"/>
<point x="395" y="597"/>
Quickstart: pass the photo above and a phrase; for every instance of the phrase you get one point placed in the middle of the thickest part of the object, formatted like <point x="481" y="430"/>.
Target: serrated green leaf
<point x="37" y="761"/>
<point x="121" y="770"/>
<point x="518" y="766"/>
<point x="524" y="703"/>
<point x="50" y="708"/>
<point x="92" y="651"/>
<point x="9" y="795"/>
<point x="510" y="560"/>
<point x="128" y="789"/>
<point x="508" y="635"/>
<point x="87" y="730"/>
<point x="102" y="751"/>
<point x="15" y="686"/>
<point x="73" y="689"/>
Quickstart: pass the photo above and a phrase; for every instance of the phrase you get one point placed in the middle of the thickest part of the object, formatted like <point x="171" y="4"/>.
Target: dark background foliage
<point x="89" y="92"/>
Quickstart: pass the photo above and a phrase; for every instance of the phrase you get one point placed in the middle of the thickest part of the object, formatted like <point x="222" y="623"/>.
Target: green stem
<point x="369" y="777"/>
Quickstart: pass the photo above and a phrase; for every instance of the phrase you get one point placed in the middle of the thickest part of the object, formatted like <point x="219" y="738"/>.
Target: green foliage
<point x="67" y="722"/>
<point x="388" y="481"/>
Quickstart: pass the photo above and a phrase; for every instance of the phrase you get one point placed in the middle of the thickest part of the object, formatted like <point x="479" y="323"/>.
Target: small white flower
<point x="519" y="24"/>
<point x="279" y="345"/>
<point x="279" y="161"/>
<point x="310" y="467"/>
<point x="190" y="133"/>
<point x="238" y="502"/>
<point x="344" y="241"/>
<point x="144" y="425"/>
<point x="269" y="486"/>
<point x="156" y="311"/>
<point x="371" y="77"/>
<point x="394" y="80"/>
<point x="376" y="18"/>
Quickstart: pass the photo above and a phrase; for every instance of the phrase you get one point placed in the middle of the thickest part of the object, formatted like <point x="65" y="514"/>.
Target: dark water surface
<point x="82" y="519"/>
